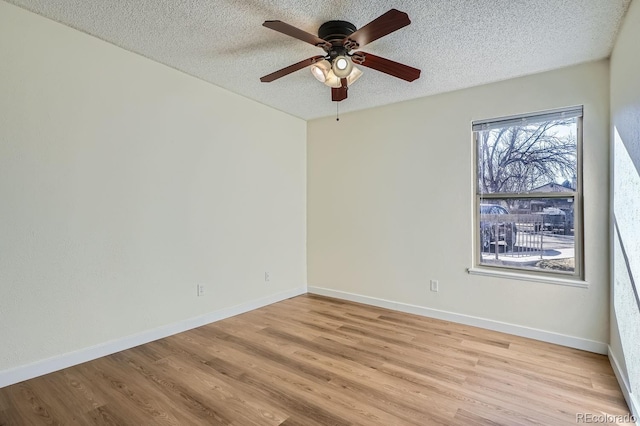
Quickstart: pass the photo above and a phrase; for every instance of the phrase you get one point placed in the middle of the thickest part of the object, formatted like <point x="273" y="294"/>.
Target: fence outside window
<point x="527" y="241"/>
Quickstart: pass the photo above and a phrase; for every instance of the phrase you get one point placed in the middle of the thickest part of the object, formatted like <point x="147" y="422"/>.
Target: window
<point x="528" y="193"/>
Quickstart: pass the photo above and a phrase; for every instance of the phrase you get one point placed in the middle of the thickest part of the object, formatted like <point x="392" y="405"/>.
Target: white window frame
<point x="576" y="278"/>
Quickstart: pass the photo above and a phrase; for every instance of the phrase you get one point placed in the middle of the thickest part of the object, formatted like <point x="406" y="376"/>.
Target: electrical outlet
<point x="267" y="277"/>
<point x="200" y="289"/>
<point x="434" y="285"/>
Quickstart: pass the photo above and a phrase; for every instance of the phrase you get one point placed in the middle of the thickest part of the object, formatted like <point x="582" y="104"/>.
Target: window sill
<point x="570" y="282"/>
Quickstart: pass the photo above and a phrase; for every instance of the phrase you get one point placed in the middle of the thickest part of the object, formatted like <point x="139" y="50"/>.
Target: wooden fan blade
<point x="385" y="24"/>
<point x="387" y="66"/>
<point x="291" y="68"/>
<point x="294" y="32"/>
<point x="339" y="93"/>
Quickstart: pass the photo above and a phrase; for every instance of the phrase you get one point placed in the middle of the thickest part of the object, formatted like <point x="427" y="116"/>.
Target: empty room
<point x="343" y="213"/>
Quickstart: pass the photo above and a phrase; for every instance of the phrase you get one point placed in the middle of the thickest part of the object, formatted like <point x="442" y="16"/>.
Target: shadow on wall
<point x="626" y="209"/>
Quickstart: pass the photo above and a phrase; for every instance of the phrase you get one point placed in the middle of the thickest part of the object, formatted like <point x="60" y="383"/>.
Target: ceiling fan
<point x="336" y="68"/>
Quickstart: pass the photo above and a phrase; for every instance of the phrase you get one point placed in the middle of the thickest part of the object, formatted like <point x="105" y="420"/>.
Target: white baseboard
<point x="632" y="402"/>
<point x="518" y="330"/>
<point x="38" y="368"/>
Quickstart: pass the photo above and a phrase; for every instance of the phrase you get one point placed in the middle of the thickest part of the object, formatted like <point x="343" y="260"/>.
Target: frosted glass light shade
<point x="342" y="66"/>
<point x="320" y="70"/>
<point x="353" y="76"/>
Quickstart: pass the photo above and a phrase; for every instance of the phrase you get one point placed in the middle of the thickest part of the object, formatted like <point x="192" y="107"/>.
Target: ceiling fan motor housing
<point x="334" y="32"/>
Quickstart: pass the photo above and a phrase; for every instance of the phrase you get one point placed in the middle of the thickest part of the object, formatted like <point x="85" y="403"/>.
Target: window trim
<point x="526" y="275"/>
<point x="575" y="278"/>
<point x="534" y="117"/>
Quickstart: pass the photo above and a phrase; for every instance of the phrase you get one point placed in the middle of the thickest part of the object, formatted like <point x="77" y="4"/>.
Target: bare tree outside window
<point x="519" y="159"/>
<point x="528" y="191"/>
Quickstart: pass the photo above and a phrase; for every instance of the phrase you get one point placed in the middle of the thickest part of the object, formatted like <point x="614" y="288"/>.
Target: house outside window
<point x="528" y="213"/>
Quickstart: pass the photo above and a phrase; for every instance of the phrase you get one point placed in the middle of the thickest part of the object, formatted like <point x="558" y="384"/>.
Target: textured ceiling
<point x="456" y="43"/>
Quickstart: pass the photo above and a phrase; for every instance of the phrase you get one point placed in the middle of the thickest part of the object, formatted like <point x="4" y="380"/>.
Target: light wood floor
<point x="312" y="360"/>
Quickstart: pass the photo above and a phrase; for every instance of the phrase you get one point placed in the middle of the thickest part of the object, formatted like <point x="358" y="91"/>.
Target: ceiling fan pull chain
<point x="337" y="111"/>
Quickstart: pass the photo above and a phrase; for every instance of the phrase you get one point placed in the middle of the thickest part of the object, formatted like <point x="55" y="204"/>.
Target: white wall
<point x="123" y="183"/>
<point x="390" y="204"/>
<point x="625" y="148"/>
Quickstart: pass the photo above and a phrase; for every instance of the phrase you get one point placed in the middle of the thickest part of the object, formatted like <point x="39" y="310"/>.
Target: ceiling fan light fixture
<point x="342" y="66"/>
<point x="354" y="75"/>
<point x="342" y="63"/>
<point x="332" y="80"/>
<point x="321" y="70"/>
<point x="318" y="74"/>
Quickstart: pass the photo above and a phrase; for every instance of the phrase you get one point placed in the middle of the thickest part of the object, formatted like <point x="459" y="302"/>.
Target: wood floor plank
<point x="312" y="361"/>
<point x="105" y="416"/>
<point x="55" y="391"/>
<point x="134" y="397"/>
<point x="318" y="391"/>
<point x="185" y="399"/>
<point x="25" y="403"/>
<point x="10" y="417"/>
<point x="249" y="410"/>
